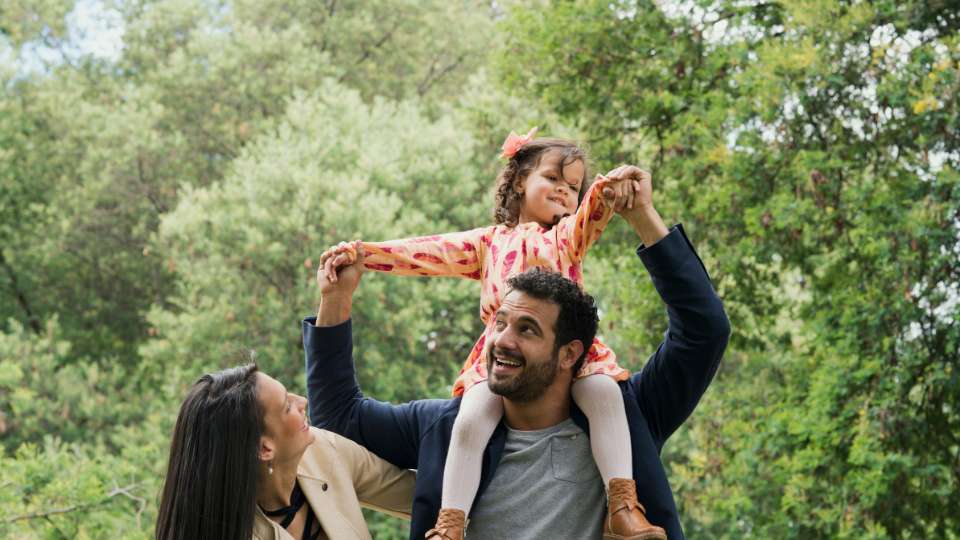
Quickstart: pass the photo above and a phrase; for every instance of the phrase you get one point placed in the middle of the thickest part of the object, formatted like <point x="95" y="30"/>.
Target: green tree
<point x="96" y="152"/>
<point x="810" y="147"/>
<point x="81" y="446"/>
<point x="195" y="82"/>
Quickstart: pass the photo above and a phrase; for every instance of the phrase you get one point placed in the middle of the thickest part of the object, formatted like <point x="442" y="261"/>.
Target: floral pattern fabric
<point x="492" y="255"/>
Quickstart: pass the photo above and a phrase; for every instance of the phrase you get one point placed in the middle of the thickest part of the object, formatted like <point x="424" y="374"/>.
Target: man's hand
<point x="336" y="256"/>
<point x="640" y="213"/>
<point x="640" y="183"/>
<point x="337" y="293"/>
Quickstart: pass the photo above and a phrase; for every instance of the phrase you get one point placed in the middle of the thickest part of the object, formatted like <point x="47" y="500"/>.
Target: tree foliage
<point x="810" y="147"/>
<point x="161" y="215"/>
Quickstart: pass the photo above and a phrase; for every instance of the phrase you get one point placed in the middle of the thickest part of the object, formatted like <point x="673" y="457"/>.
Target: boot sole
<point x="653" y="535"/>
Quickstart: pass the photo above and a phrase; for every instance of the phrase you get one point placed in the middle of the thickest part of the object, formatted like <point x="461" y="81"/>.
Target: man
<point x="541" y="427"/>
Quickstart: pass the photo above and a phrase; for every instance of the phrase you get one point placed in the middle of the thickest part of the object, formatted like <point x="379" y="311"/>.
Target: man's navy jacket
<point x="658" y="399"/>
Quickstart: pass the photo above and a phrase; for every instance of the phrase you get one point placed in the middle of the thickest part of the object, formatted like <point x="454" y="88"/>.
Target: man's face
<point x="522" y="359"/>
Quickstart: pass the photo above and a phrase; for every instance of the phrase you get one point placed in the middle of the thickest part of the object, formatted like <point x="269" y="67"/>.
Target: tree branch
<point x="433" y="76"/>
<point x="19" y="294"/>
<point x="369" y="50"/>
<point x="159" y="207"/>
<point x="115" y="492"/>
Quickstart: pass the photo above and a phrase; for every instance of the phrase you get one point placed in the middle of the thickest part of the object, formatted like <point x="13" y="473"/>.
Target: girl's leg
<point x="599" y="397"/>
<point x="480" y="412"/>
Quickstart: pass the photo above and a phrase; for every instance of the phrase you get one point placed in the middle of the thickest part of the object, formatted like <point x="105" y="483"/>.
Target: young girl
<point x="547" y="216"/>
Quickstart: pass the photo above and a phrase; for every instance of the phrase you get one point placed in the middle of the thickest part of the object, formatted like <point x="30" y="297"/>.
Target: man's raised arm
<point x="677" y="375"/>
<point x="336" y="402"/>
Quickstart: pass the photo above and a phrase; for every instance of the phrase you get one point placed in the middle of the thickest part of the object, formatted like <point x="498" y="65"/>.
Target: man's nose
<point x="504" y="339"/>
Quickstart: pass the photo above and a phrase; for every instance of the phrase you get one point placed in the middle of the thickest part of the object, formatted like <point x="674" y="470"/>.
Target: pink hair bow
<point x="515" y="142"/>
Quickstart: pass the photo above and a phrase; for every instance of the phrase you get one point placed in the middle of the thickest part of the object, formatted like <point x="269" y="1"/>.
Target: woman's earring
<point x="270" y="467"/>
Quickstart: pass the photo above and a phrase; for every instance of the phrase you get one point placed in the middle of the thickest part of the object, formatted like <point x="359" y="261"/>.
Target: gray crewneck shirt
<point x="546" y="486"/>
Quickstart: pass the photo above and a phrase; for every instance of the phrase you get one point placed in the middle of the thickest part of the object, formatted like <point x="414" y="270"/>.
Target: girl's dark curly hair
<point x="508" y="199"/>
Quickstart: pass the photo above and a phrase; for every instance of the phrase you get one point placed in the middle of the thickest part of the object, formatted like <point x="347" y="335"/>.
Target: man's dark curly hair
<point x="508" y="197"/>
<point x="578" y="310"/>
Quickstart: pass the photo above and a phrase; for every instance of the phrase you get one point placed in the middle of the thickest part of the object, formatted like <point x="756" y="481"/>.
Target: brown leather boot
<point x="450" y="525"/>
<point x="625" y="515"/>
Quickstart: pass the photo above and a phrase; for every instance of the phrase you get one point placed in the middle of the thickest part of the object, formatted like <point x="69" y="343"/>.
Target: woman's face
<point x="286" y="429"/>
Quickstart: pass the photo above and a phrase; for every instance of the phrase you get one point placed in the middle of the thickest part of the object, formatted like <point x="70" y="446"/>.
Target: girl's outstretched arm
<point x="458" y="254"/>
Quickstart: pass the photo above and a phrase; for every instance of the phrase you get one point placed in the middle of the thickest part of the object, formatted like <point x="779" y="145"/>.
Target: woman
<point x="244" y="463"/>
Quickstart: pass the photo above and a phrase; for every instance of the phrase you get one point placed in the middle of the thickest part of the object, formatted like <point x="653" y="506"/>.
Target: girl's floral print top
<point x="492" y="255"/>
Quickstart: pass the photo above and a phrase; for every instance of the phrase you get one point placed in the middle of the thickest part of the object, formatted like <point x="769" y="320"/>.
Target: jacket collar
<point x="334" y="523"/>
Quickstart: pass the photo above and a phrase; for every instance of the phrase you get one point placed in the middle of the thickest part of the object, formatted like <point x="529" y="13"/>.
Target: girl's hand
<point x="619" y="194"/>
<point x="641" y="186"/>
<point x="336" y="257"/>
<point x="337" y="298"/>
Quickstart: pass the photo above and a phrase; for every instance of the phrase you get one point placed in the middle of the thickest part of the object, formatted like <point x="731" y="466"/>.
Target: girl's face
<point x="550" y="191"/>
<point x="286" y="430"/>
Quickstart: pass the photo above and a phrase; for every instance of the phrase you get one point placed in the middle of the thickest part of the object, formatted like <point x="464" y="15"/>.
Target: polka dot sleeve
<point x="458" y="254"/>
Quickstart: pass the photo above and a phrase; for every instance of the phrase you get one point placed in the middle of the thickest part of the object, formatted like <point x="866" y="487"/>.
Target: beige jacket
<point x="337" y="476"/>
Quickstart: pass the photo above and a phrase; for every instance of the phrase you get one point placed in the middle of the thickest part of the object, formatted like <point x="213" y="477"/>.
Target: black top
<point x="297" y="500"/>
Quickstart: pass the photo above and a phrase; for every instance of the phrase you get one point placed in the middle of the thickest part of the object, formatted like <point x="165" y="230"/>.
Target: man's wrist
<point x="334" y="309"/>
<point x="647" y="223"/>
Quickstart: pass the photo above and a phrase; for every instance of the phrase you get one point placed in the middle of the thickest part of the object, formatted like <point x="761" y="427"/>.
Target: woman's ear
<point x="267" y="449"/>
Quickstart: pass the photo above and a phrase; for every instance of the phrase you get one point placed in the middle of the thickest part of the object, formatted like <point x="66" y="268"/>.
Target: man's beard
<point x="530" y="384"/>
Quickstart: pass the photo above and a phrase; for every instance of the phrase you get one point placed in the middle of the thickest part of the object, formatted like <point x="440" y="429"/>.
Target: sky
<point x="93" y="28"/>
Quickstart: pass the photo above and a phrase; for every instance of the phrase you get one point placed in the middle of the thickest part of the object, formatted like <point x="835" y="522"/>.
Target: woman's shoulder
<point x="325" y="442"/>
<point x="329" y="447"/>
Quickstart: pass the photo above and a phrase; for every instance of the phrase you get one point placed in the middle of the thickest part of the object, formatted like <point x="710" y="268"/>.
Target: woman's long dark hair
<point x="210" y="488"/>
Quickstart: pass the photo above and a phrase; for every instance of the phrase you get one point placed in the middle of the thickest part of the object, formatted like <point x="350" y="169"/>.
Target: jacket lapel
<point x="325" y="506"/>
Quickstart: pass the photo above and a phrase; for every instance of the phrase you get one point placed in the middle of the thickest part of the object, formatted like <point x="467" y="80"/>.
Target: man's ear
<point x="570" y="353"/>
<point x="267" y="449"/>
